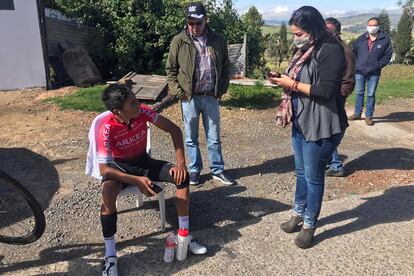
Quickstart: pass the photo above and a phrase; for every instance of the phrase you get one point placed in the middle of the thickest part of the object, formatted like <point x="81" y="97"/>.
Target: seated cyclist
<point x="123" y="161"/>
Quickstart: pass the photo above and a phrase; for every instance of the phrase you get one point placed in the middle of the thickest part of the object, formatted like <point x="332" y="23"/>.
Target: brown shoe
<point x="369" y="121"/>
<point x="304" y="239"/>
<point x="354" y="117"/>
<point x="292" y="225"/>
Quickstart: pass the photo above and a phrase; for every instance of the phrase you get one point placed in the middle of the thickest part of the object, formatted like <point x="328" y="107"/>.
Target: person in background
<point x="336" y="167"/>
<point x="198" y="74"/>
<point x="373" y="51"/>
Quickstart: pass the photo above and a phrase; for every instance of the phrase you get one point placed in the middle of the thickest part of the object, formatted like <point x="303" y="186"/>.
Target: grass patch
<point x="391" y="89"/>
<point x="268" y="29"/>
<point x="239" y="96"/>
<point x="397" y="72"/>
<point x="257" y="96"/>
<point x="348" y="36"/>
<point x="86" y="99"/>
<point x="396" y="82"/>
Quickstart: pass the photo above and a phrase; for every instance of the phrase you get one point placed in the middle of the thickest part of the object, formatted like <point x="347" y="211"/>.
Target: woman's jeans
<point x="208" y="107"/>
<point x="311" y="159"/>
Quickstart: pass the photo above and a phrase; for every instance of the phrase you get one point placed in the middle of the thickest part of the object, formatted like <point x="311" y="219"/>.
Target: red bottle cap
<point x="183" y="232"/>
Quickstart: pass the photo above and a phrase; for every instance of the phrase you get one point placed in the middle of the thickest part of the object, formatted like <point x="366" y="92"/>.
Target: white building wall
<point x="21" y="54"/>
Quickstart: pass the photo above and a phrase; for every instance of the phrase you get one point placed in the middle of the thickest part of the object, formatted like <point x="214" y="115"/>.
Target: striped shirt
<point x="204" y="71"/>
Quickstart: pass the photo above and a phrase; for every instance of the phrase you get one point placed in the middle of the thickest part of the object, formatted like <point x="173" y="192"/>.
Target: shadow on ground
<point x="396" y="117"/>
<point x="380" y="159"/>
<point x="35" y="172"/>
<point x="279" y="165"/>
<point x="395" y="205"/>
<point x="217" y="216"/>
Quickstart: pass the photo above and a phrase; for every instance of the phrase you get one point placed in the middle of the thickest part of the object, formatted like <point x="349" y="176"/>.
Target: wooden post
<point x="245" y="56"/>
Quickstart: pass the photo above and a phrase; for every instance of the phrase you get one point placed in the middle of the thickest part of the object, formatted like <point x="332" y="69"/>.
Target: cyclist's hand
<point x="179" y="172"/>
<point x="145" y="186"/>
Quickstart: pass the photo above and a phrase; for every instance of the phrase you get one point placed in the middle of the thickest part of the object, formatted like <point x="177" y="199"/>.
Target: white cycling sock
<point x="183" y="222"/>
<point x="110" y="247"/>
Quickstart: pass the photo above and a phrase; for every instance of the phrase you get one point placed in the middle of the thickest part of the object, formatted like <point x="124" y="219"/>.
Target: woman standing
<point x="311" y="87"/>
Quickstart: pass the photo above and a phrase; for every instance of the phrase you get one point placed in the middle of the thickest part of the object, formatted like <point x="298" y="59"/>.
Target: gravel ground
<point x="45" y="148"/>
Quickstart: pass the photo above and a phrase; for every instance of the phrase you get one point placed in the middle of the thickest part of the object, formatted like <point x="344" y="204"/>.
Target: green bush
<point x="137" y="34"/>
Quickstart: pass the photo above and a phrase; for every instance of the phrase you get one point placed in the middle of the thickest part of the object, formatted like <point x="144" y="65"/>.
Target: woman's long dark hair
<point x="311" y="21"/>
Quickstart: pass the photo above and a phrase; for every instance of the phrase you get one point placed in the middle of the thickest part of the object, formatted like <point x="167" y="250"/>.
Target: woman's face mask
<point x="301" y="42"/>
<point x="301" y="39"/>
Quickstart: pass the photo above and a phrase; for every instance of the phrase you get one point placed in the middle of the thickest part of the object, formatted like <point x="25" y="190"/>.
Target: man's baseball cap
<point x="195" y="10"/>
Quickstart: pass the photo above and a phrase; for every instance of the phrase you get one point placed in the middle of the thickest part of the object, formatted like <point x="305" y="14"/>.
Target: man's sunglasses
<point x="198" y="23"/>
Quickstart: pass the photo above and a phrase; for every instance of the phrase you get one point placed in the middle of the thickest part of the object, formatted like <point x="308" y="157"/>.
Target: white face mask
<point x="300" y="42"/>
<point x="372" y="29"/>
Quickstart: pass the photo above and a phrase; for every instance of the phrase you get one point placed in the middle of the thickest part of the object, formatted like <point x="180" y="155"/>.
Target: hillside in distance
<point x="351" y="23"/>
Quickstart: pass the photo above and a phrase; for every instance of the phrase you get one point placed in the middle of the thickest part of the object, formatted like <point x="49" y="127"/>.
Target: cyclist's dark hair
<point x="335" y="22"/>
<point x="311" y="21"/>
<point x="114" y="96"/>
<point x="374" y="18"/>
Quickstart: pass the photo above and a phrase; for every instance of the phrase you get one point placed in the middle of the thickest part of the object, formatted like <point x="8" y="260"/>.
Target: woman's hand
<point x="284" y="81"/>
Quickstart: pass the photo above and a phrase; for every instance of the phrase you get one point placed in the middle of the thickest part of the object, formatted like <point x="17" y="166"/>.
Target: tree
<point x="137" y="34"/>
<point x="385" y="22"/>
<point x="225" y="20"/>
<point x="133" y="33"/>
<point x="256" y="44"/>
<point x="273" y="47"/>
<point x="284" y="43"/>
<point x="278" y="48"/>
<point x="403" y="38"/>
<point x="409" y="6"/>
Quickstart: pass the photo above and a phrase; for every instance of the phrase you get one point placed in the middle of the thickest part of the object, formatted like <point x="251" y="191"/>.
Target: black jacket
<point x="371" y="63"/>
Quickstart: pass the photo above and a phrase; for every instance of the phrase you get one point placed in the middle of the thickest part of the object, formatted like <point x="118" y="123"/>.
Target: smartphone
<point x="156" y="188"/>
<point x="273" y="75"/>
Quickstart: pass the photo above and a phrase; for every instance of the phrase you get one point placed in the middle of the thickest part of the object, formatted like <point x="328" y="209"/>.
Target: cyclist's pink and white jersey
<point x="118" y="141"/>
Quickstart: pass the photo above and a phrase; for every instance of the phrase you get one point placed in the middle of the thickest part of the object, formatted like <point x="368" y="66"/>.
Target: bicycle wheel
<point x="21" y="218"/>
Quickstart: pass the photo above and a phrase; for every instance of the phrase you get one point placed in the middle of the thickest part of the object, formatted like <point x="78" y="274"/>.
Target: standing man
<point x="336" y="168"/>
<point x="198" y="74"/>
<point x="373" y="51"/>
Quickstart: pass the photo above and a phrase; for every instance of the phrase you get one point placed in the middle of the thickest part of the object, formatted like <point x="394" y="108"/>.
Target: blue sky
<point x="276" y="9"/>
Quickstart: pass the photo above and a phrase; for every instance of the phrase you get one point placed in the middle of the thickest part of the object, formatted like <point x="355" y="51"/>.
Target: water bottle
<point x="169" y="248"/>
<point x="182" y="244"/>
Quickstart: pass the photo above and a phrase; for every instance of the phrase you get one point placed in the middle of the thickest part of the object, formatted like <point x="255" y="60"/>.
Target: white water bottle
<point x="182" y="244"/>
<point x="169" y="248"/>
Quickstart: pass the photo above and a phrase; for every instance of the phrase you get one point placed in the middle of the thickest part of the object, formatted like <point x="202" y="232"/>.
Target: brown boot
<point x="292" y="225"/>
<point x="369" y="121"/>
<point x="354" y="117"/>
<point x="305" y="238"/>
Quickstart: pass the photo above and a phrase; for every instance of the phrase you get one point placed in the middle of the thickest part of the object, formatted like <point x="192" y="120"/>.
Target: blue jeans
<point x="208" y="107"/>
<point x="311" y="159"/>
<point x="336" y="163"/>
<point x="371" y="82"/>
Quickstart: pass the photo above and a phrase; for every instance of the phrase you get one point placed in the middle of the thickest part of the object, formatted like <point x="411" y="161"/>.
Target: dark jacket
<point x="348" y="80"/>
<point x="370" y="63"/>
<point x="182" y="59"/>
<point x="319" y="115"/>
